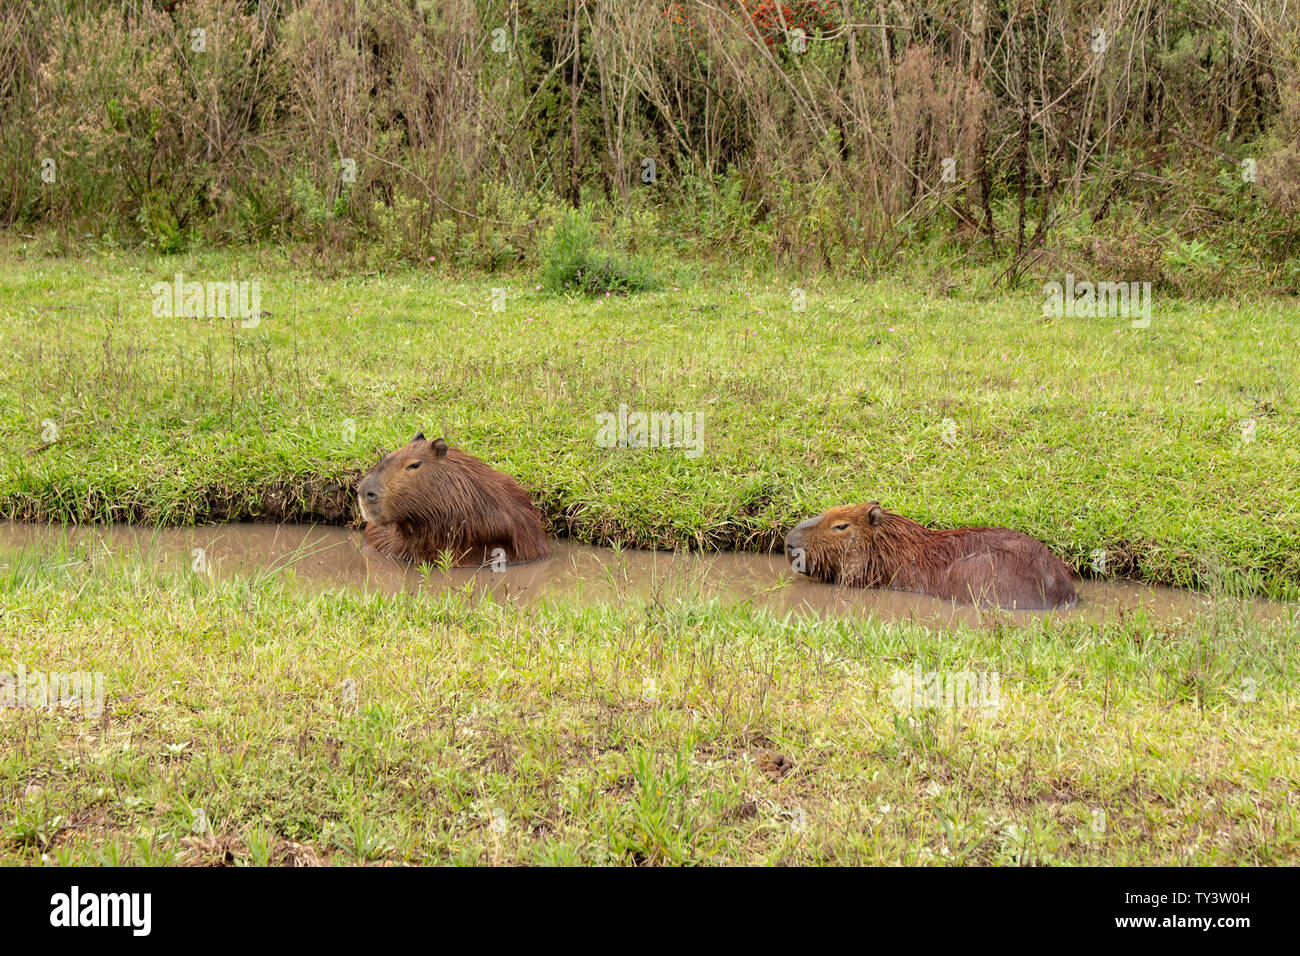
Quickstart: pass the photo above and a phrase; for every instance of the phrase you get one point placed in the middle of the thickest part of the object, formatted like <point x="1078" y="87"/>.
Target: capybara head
<point x="426" y="498"/>
<point x="402" y="486"/>
<point x="835" y="546"/>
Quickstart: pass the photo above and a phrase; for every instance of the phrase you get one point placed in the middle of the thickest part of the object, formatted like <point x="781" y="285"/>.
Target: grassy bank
<point x="950" y="403"/>
<point x="244" y="722"/>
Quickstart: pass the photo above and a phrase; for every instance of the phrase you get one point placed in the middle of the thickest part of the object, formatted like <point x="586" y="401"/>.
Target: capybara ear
<point x="439" y="448"/>
<point x="874" y="512"/>
<point x="419" y="436"/>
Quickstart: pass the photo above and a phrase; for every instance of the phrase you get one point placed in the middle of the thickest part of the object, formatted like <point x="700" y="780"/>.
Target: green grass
<point x="1083" y="432"/>
<point x="359" y="728"/>
<point x="352" y="727"/>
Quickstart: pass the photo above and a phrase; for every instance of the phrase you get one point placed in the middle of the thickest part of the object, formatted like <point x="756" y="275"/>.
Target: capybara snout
<point x="868" y="546"/>
<point x="368" y="503"/>
<point x="368" y="499"/>
<point x="425" y="499"/>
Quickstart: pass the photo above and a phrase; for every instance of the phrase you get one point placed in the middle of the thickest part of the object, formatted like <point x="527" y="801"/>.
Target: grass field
<point x="964" y="408"/>
<point x="346" y="727"/>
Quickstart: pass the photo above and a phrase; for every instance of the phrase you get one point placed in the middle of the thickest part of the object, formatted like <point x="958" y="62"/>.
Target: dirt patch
<point x="227" y="850"/>
<point x="304" y="499"/>
<point x="775" y="765"/>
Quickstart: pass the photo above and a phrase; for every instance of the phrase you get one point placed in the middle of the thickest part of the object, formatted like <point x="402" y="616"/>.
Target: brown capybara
<point x="866" y="546"/>
<point x="426" y="499"/>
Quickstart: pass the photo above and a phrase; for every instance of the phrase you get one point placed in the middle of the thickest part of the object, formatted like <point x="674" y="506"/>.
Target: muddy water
<point x="329" y="558"/>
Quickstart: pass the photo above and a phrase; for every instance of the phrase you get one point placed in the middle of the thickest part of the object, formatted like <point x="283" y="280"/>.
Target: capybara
<point x="426" y="499"/>
<point x="866" y="546"/>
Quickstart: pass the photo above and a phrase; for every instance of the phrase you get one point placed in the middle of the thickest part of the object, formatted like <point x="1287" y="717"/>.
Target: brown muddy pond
<point x="328" y="558"/>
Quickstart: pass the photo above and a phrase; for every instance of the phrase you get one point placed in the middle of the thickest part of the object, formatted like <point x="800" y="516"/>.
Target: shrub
<point x="572" y="261"/>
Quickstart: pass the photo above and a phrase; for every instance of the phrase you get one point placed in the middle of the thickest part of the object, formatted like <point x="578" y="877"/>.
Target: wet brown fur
<point x="426" y="498"/>
<point x="867" y="546"/>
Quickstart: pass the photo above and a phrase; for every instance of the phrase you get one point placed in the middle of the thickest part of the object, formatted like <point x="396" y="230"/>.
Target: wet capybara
<point x="866" y="546"/>
<point x="426" y="499"/>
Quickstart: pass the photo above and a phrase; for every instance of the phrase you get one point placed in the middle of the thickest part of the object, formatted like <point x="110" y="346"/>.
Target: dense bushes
<point x="814" y="132"/>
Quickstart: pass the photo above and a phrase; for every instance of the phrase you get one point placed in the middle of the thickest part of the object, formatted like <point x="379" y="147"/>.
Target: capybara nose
<point x="367" y="497"/>
<point x="795" y="538"/>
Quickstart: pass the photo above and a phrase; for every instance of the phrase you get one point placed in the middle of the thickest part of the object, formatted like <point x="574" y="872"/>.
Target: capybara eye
<point x="414" y="464"/>
<point x="842" y="526"/>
